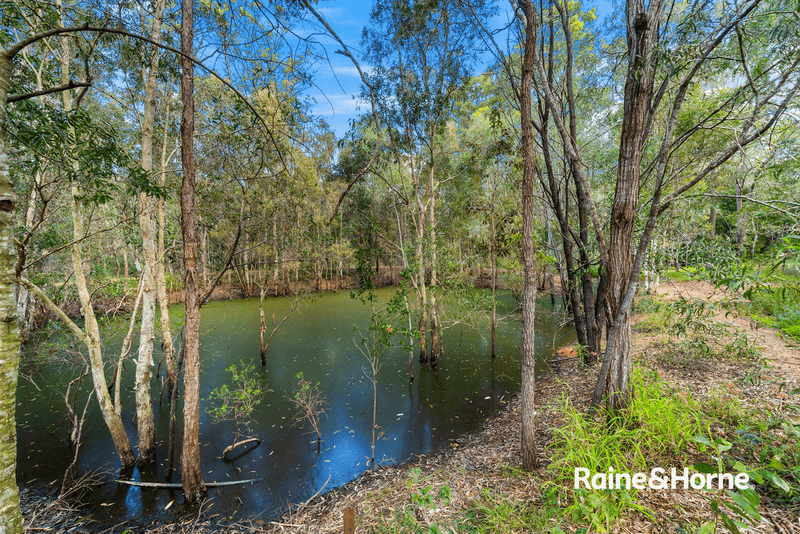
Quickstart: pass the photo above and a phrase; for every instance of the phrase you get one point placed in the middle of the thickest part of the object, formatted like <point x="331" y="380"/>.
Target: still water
<point x="414" y="417"/>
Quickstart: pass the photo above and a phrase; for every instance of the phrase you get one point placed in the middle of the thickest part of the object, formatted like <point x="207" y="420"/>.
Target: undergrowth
<point x="657" y="427"/>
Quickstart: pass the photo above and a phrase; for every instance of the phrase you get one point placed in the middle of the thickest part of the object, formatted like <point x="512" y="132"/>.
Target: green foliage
<point x="712" y="258"/>
<point x="659" y="424"/>
<point x="646" y="305"/>
<point x="742" y="504"/>
<point x="237" y="402"/>
<point x="91" y="153"/>
<point x="692" y="321"/>
<point x="310" y="402"/>
<point x="495" y="513"/>
<point x="424" y="500"/>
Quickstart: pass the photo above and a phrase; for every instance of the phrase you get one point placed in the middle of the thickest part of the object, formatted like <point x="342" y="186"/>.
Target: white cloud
<point x="351" y="70"/>
<point x="340" y="105"/>
<point x="329" y="12"/>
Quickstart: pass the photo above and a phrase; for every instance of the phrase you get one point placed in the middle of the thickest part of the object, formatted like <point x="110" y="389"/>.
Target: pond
<point x="414" y="417"/>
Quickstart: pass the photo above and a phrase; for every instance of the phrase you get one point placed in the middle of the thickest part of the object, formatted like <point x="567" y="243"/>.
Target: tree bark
<point x="10" y="515"/>
<point x="92" y="331"/>
<point x="262" y="326"/>
<point x="144" y="400"/>
<point x="436" y="340"/>
<point x="741" y="218"/>
<point x="494" y="268"/>
<point x="191" y="476"/>
<point x="528" y="387"/>
<point x="422" y="294"/>
<point x="712" y="222"/>
<point x="161" y="282"/>
<point x="93" y="343"/>
<point x="642" y="30"/>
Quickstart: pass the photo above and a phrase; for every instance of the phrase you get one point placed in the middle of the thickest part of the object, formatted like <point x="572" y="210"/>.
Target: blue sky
<point x="337" y="84"/>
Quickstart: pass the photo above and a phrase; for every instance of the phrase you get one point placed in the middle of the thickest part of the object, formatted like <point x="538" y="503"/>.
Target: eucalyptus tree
<point x="194" y="487"/>
<point x="670" y="55"/>
<point x="16" y="34"/>
<point x="421" y="53"/>
<point x="144" y="364"/>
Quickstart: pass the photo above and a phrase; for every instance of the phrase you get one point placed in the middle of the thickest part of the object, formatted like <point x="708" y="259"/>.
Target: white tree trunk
<point x="10" y="515"/>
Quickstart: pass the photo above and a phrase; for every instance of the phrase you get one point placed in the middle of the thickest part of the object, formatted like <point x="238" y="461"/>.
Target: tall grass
<point x="653" y="432"/>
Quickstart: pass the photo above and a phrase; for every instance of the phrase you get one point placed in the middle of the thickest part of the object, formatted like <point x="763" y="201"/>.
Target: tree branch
<point x="65" y="87"/>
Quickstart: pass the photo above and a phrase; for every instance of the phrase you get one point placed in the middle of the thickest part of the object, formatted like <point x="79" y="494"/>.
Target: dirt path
<point x="783" y="357"/>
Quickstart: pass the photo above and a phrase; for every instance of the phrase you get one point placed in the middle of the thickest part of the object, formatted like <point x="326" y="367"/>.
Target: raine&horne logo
<point x="658" y="479"/>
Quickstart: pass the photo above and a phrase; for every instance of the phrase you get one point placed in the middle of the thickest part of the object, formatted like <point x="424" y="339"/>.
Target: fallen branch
<point x="237" y="444"/>
<point x="178" y="484"/>
<point x="299" y="508"/>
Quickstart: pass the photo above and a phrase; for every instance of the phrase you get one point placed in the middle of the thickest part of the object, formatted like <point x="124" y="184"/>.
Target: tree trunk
<point x="161" y="282"/>
<point x="712" y="222"/>
<point x="422" y="300"/>
<point x="642" y="28"/>
<point x="194" y="488"/>
<point x="10" y="515"/>
<point x="494" y="269"/>
<point x="116" y="381"/>
<point x="741" y="219"/>
<point x="144" y="399"/>
<point x="263" y="326"/>
<point x="23" y="297"/>
<point x="126" y="269"/>
<point x="92" y="338"/>
<point x="436" y="341"/>
<point x="93" y="344"/>
<point x="528" y="387"/>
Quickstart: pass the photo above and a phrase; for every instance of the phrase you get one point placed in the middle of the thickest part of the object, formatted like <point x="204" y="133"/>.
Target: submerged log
<point x="238" y="444"/>
<point x="178" y="485"/>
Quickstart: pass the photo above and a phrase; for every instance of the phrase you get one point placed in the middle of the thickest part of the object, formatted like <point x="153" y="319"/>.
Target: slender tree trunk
<point x="123" y="353"/>
<point x="263" y="326"/>
<point x="712" y="222"/>
<point x="144" y="400"/>
<point x="741" y="220"/>
<point x="23" y="296"/>
<point x="374" y="411"/>
<point x="10" y="515"/>
<point x="494" y="270"/>
<point x="92" y="338"/>
<point x="528" y="387"/>
<point x="191" y="475"/>
<point x="161" y="281"/>
<point x="570" y="284"/>
<point x="126" y="269"/>
<point x="436" y="341"/>
<point x="110" y="416"/>
<point x="421" y="286"/>
<point x="168" y="346"/>
<point x="203" y="266"/>
<point x="422" y="325"/>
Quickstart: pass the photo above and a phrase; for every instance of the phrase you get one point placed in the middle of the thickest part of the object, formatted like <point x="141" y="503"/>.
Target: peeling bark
<point x="191" y="475"/>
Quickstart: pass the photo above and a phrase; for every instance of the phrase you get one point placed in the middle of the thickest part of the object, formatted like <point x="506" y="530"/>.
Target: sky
<point x="337" y="86"/>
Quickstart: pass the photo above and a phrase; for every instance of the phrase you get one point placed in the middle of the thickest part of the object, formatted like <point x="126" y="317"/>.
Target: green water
<point x="414" y="418"/>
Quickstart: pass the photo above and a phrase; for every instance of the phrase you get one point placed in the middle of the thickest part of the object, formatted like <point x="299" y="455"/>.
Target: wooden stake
<point x="349" y="520"/>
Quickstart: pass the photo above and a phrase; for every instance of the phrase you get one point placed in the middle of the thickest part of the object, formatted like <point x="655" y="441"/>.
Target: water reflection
<point x="413" y="417"/>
